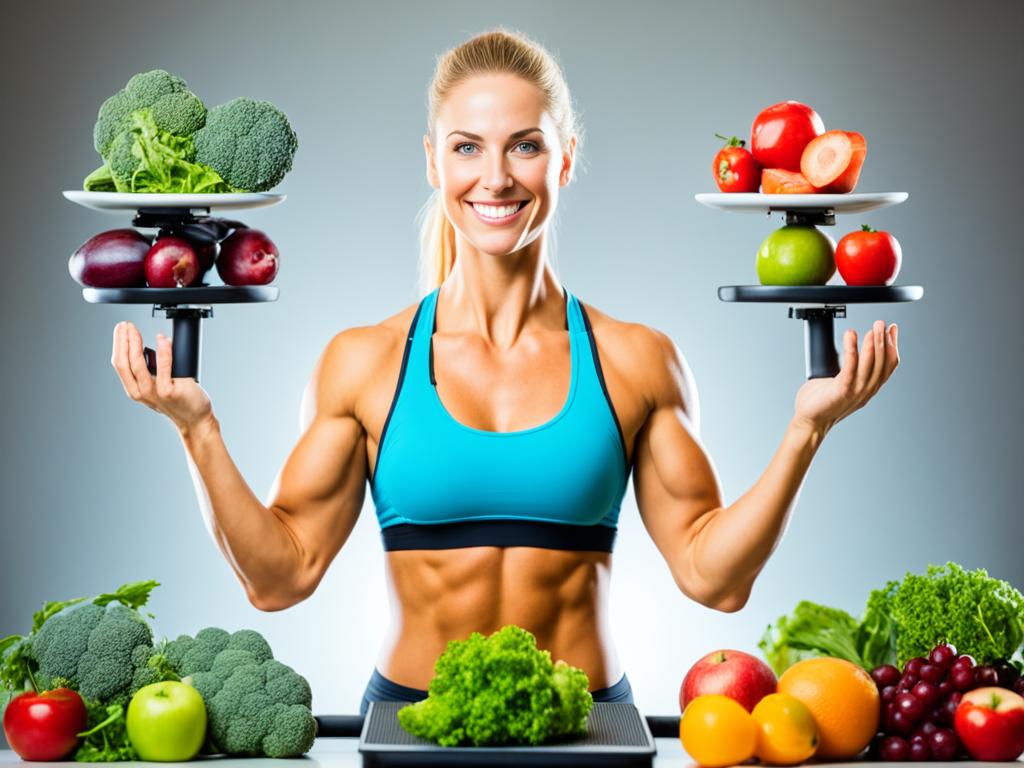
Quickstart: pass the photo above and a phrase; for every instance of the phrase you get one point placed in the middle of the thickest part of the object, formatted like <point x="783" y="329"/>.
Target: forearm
<point x="734" y="543"/>
<point x="255" y="541"/>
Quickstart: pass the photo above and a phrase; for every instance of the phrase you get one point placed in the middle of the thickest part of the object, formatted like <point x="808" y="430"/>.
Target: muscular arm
<point x="714" y="551"/>
<point x="280" y="550"/>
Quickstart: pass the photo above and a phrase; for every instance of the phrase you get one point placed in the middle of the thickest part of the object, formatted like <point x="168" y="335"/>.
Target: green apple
<point x="796" y="254"/>
<point x="166" y="722"/>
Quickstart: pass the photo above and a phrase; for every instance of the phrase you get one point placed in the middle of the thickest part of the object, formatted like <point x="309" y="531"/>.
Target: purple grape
<point x="909" y="705"/>
<point x="894" y="749"/>
<point x="888" y="693"/>
<point x="885" y="675"/>
<point x="926" y="729"/>
<point x="964" y="660"/>
<point x="900" y="722"/>
<point x="908" y="681"/>
<point x="985" y="676"/>
<point x="932" y="673"/>
<point x="926" y="693"/>
<point x="1007" y="673"/>
<point x="942" y="655"/>
<point x="944" y="744"/>
<point x="962" y="678"/>
<point x="1018" y="685"/>
<point x="913" y="666"/>
<point x="920" y="751"/>
<point x="939" y="715"/>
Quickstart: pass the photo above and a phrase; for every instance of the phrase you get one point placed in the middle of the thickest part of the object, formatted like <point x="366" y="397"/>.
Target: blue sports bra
<point x="439" y="484"/>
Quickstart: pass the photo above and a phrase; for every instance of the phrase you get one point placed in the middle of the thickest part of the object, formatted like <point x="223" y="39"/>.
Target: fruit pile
<point x="925" y="712"/>
<point x="176" y="258"/>
<point x="791" y="153"/>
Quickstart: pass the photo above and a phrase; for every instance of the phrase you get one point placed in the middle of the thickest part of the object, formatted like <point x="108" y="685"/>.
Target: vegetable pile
<point x="155" y="135"/>
<point x="982" y="616"/>
<point x="103" y="648"/>
<point x="500" y="689"/>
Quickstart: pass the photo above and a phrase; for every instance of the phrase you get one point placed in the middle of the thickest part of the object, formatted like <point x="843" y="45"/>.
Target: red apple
<point x="171" y="262"/>
<point x="740" y="676"/>
<point x="43" y="726"/>
<point x="247" y="257"/>
<point x="990" y="723"/>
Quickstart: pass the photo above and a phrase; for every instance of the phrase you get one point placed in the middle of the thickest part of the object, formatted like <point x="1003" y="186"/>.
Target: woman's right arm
<point x="279" y="550"/>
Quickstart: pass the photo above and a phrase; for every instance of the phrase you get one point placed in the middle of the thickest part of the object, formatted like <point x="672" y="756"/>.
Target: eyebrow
<point x="473" y="136"/>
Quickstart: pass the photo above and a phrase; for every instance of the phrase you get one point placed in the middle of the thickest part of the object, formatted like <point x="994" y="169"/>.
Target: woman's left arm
<point x="716" y="552"/>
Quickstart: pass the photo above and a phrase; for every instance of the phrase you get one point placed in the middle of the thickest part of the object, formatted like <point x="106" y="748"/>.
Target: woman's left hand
<point x="823" y="402"/>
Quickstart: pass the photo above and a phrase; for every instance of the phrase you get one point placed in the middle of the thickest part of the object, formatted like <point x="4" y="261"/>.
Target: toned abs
<point x="441" y="595"/>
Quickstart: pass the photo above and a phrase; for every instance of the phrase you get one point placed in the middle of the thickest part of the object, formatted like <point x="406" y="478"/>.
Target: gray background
<point x="96" y="489"/>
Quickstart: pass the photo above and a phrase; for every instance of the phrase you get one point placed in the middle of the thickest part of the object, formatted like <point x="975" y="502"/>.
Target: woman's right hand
<point x="181" y="399"/>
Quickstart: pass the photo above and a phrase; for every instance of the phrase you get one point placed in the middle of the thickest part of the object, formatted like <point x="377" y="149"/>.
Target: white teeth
<point x="493" y="212"/>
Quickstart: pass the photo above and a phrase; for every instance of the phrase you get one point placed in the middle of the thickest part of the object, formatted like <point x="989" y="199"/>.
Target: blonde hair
<point x="497" y="51"/>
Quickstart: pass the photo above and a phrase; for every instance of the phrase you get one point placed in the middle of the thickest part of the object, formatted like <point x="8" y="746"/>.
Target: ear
<point x="567" y="163"/>
<point x="432" y="177"/>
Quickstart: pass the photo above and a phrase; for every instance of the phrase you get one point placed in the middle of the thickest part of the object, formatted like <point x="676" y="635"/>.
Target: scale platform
<point x="186" y="307"/>
<point x="618" y="735"/>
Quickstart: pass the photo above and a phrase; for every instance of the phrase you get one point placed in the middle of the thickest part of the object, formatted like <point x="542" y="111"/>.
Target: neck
<point x="500" y="297"/>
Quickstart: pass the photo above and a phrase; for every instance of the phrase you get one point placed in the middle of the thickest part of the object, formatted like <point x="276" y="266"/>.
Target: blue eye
<point x="458" y="148"/>
<point x="533" y="147"/>
<point x="528" y="143"/>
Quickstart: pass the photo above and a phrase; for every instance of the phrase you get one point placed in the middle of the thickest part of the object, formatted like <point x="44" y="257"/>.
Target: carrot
<point x="847" y="180"/>
<point x="778" y="181"/>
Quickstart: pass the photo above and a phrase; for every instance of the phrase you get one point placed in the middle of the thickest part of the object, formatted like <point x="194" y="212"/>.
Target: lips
<point x="501" y="219"/>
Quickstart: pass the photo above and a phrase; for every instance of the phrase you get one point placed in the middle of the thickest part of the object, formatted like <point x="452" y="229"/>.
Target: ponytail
<point x="437" y="244"/>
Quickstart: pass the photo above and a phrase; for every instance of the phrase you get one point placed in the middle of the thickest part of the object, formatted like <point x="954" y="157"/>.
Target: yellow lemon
<point x="717" y="731"/>
<point x="786" y="732"/>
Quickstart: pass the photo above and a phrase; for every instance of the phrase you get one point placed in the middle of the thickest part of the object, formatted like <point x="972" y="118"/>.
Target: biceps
<point x="674" y="481"/>
<point x="320" y="490"/>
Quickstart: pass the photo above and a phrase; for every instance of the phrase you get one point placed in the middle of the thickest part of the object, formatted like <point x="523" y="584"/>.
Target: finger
<point x="120" y="361"/>
<point x="881" y="340"/>
<point x="137" y="362"/>
<point x="163" y="366"/>
<point x="849" y="369"/>
<point x="867" y="362"/>
<point x="892" y="358"/>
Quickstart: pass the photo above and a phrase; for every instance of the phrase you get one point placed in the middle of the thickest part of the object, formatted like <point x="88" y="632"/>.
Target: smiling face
<point x="498" y="162"/>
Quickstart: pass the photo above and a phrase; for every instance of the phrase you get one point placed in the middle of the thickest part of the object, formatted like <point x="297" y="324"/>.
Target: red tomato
<point x="44" y="726"/>
<point x="868" y="257"/>
<point x="780" y="133"/>
<point x="735" y="168"/>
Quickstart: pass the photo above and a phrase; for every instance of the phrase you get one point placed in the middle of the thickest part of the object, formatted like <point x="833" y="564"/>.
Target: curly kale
<point x="250" y="144"/>
<point x="500" y="689"/>
<point x="255" y="704"/>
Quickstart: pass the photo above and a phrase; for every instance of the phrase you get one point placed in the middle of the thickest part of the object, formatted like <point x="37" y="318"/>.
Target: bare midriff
<point x="440" y="595"/>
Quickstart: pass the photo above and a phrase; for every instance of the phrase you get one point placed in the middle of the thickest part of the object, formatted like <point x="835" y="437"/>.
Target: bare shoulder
<point x="651" y="360"/>
<point x="355" y="359"/>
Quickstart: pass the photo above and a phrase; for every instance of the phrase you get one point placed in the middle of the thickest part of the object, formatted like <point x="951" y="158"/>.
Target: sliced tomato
<point x="832" y="161"/>
<point x="777" y="181"/>
<point x="847" y="181"/>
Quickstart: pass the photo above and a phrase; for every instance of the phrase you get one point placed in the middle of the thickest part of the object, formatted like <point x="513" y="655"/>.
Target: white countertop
<point x="344" y="753"/>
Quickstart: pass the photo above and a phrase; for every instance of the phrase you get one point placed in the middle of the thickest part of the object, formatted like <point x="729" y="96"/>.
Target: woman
<point x="497" y="420"/>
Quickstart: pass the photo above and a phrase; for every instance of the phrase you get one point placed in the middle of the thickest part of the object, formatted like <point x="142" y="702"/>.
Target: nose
<point x="497" y="176"/>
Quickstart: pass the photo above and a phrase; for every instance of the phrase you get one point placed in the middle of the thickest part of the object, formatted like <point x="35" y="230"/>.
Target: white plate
<point x="131" y="201"/>
<point x="756" y="202"/>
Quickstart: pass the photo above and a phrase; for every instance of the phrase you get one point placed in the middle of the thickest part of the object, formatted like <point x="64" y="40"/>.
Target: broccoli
<point x="497" y="690"/>
<point x="255" y="704"/>
<point x="174" y="107"/>
<point x="250" y="144"/>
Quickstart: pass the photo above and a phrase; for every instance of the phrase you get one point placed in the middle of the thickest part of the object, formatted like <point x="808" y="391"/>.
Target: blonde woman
<point x="497" y="420"/>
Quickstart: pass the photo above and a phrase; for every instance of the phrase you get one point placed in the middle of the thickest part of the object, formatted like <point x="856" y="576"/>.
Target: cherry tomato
<point x="868" y="257"/>
<point x="735" y="168"/>
<point x="780" y="133"/>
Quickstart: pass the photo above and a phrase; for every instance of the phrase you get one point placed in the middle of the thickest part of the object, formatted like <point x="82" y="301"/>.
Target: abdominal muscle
<point x="440" y="595"/>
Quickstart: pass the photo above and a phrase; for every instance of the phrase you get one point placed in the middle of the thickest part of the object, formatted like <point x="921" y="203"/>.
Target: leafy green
<point x="812" y="630"/>
<point x="980" y="615"/>
<point x="106" y="738"/>
<point x="497" y="690"/>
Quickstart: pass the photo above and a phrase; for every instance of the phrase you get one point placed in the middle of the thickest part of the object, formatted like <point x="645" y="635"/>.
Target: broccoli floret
<point x="255" y="704"/>
<point x="498" y="690"/>
<point x="101" y="650"/>
<point x="250" y="144"/>
<point x="174" y="107"/>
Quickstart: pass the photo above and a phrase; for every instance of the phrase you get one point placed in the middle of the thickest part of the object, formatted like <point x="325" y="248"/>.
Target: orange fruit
<point x="717" y="731"/>
<point x="786" y="732"/>
<point x="843" y="699"/>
